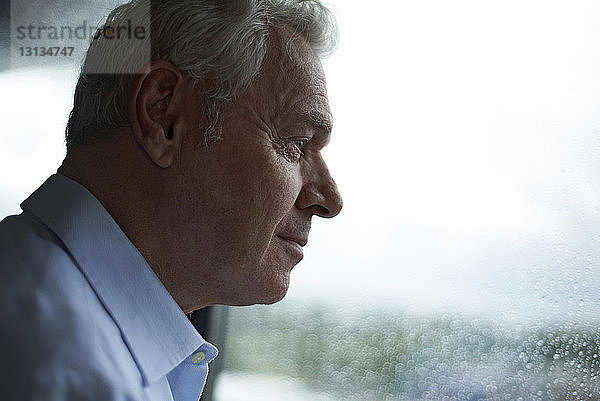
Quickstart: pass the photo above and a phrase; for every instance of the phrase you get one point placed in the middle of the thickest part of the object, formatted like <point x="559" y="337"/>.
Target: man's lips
<point x="294" y="244"/>
<point x="301" y="241"/>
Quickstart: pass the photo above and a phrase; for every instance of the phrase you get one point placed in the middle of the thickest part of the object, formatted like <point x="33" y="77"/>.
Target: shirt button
<point x="198" y="357"/>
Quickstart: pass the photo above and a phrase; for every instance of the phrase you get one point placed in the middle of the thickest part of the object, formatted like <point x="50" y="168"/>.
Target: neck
<point x="133" y="191"/>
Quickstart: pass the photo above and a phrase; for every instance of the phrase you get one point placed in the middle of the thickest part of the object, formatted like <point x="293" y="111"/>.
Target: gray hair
<point x="219" y="44"/>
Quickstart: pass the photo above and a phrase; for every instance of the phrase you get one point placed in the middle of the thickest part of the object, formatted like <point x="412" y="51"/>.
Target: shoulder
<point x="30" y="254"/>
<point x="69" y="384"/>
<point x="40" y="284"/>
<point x="56" y="339"/>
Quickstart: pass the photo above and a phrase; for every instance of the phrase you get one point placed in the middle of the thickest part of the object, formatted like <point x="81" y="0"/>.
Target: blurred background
<point x="464" y="265"/>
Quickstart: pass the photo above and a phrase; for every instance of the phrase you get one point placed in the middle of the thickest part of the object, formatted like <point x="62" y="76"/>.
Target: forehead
<point x="292" y="81"/>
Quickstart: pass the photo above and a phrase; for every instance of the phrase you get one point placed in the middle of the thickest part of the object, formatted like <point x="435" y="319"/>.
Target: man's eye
<point x="300" y="143"/>
<point x="291" y="149"/>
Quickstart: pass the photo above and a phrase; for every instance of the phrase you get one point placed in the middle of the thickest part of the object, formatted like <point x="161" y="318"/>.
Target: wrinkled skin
<point x="223" y="224"/>
<point x="257" y="189"/>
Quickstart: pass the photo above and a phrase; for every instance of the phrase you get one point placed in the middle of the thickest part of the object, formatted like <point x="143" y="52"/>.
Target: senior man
<point x="189" y="183"/>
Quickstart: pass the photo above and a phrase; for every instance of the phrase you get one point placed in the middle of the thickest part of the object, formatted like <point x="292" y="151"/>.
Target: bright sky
<point x="466" y="145"/>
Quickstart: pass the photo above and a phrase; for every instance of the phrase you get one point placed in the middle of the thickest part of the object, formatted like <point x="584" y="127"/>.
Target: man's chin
<point x="266" y="294"/>
<point x="273" y="300"/>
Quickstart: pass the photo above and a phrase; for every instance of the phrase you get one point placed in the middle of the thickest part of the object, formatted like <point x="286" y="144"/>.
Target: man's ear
<point x="155" y="107"/>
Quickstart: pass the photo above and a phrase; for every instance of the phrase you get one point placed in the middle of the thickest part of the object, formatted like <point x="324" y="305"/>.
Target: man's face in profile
<point x="249" y="198"/>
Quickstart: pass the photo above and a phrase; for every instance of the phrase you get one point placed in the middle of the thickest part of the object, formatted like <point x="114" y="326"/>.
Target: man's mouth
<point x="295" y="243"/>
<point x="302" y="241"/>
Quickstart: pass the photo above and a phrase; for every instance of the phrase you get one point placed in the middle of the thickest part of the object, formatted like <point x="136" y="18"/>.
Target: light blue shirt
<point x="82" y="315"/>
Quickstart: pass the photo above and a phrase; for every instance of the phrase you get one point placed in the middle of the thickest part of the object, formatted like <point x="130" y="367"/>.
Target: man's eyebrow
<point x="320" y="121"/>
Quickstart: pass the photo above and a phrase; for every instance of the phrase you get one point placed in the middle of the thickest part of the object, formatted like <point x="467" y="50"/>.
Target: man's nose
<point x="320" y="193"/>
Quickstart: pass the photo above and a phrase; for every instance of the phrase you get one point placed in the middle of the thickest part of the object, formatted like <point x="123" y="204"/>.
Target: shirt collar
<point x="155" y="329"/>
